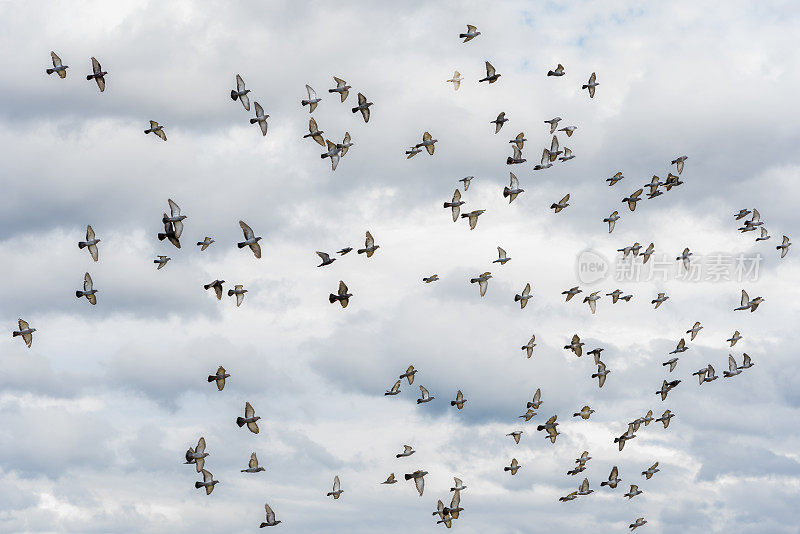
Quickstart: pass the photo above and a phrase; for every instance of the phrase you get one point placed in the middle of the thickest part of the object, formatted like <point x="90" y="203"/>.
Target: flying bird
<point x="584" y="414"/>
<point x="569" y="130"/>
<point x="529" y="347"/>
<point x="98" y="75"/>
<point x="591" y="85"/>
<point x="363" y="107"/>
<point x="161" y="261"/>
<point x="334" y="153"/>
<point x="633" y="199"/>
<point x="261" y="119"/>
<point x="241" y="93"/>
<point x="491" y="74"/>
<point x="219" y="378"/>
<point x="553" y="123"/>
<point x="571" y="292"/>
<point x="337" y="488"/>
<point x="514" y="467"/>
<point x="466" y="180"/>
<point x="537" y="400"/>
<point x="455" y="204"/>
<point x="499" y="121"/>
<point x="613" y="478"/>
<point x="660" y="299"/>
<point x="250" y="240"/>
<point x="694" y="330"/>
<point x="197" y="455"/>
<point x="252" y="465"/>
<point x="734" y="338"/>
<point x="419" y="479"/>
<point x="633" y="492"/>
<point x="342" y="295"/>
<point x="88" y="290"/>
<point x="217" y="285"/>
<point x="345" y="145"/>
<point x="205" y="243"/>
<point x="650" y="471"/>
<point x="513" y="189"/>
<point x="369" y="246"/>
<point x="456" y="80"/>
<point x="516" y="435"/>
<point x="270" y="522"/>
<point x="638" y="523"/>
<point x="157" y="129"/>
<point x="408" y="450"/>
<point x="473" y="217"/>
<point x="460" y="400"/>
<point x="428" y="142"/>
<point x="516" y="158"/>
<point x="249" y="419"/>
<point x="239" y="291"/>
<point x="25" y="331"/>
<point x="519" y="140"/>
<point x="90" y="243"/>
<point x="409" y="374"/>
<point x="326" y="259"/>
<point x="575" y="346"/>
<point x="678" y="162"/>
<point x="614" y="179"/>
<point x="344" y="251"/>
<point x="523" y="298"/>
<point x="784" y="246"/>
<point x="341" y="87"/>
<point x="395" y="389"/>
<point x="390" y="479"/>
<point x="58" y="67"/>
<point x="313" y="132"/>
<point x="472" y="32"/>
<point x="747" y="303"/>
<point x="426" y="396"/>
<point x="558" y="71"/>
<point x="482" y="281"/>
<point x="592" y="299"/>
<point x="561" y="204"/>
<point x="601" y="373"/>
<point x="312" y="99"/>
<point x="207" y="483"/>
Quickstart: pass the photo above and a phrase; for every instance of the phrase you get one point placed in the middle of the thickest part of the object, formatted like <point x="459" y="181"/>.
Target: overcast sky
<point x="98" y="413"/>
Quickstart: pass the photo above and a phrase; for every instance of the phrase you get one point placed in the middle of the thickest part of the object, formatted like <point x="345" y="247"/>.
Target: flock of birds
<point x="174" y="227"/>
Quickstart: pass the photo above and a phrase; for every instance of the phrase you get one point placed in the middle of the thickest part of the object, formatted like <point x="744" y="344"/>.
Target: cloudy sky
<point x="98" y="413"/>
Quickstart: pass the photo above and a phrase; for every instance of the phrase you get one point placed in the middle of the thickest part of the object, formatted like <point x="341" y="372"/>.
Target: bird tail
<point x="89" y="77"/>
<point x="234" y="96"/>
<point x="453" y="403"/>
<point x="464" y="215"/>
<point x="361" y="250"/>
<point x="331" y="91"/>
<point x="462" y="35"/>
<point x="149" y="130"/>
<point x="505" y="189"/>
<point x="540" y="427"/>
<point x="604" y="483"/>
<point x="241" y="245"/>
<point x="81" y="245"/>
<point x="354" y="110"/>
<point x="162" y="236"/>
<point x="198" y="485"/>
<point x="509" y="161"/>
<point x="211" y="378"/>
<point x="332" y="298"/>
<point x="230" y="292"/>
<point x="240" y="421"/>
<point x="594" y="375"/>
<point x="304" y="102"/>
<point x="408" y="477"/>
<point x="50" y="71"/>
<point x="584" y="86"/>
<point x="156" y="261"/>
<point x="550" y="73"/>
<point x="517" y="298"/>
<point x="206" y="286"/>
<point x="253" y="121"/>
<point x="15" y="334"/>
<point x="78" y="294"/>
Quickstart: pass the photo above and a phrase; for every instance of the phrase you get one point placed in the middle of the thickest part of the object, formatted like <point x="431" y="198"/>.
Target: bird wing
<point x="456" y="196"/>
<point x="420" y="483"/>
<point x="426" y="136"/>
<point x="312" y="95"/>
<point x="593" y="305"/>
<point x="369" y="241"/>
<point x="396" y="387"/>
<point x="424" y="392"/>
<point x="256" y="248"/>
<point x="745" y="298"/>
<point x="565" y="199"/>
<point x="517" y="153"/>
<point x="592" y="78"/>
<point x="336" y="484"/>
<point x="253" y="463"/>
<point x="239" y="299"/>
<point x="471" y="28"/>
<point x="342" y="288"/>
<point x="87" y="282"/>
<point x="260" y="110"/>
<point x="554" y="145"/>
<point x="489" y="70"/>
<point x="527" y="290"/>
<point x="324" y="256"/>
<point x="483" y="284"/>
<point x="270" y="514"/>
<point x="248" y="410"/>
<point x="248" y="232"/>
<point x="239" y="83"/>
<point x="501" y="253"/>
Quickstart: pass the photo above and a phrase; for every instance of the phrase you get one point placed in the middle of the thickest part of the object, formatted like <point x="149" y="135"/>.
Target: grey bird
<point x="326" y="259"/>
<point x="519" y="140"/>
<point x="553" y="123"/>
<point x="459" y="485"/>
<point x="747" y="363"/>
<point x="455" y="204"/>
<point x="638" y="523"/>
<point x="431" y="278"/>
<point x="591" y="85"/>
<point x="363" y="107"/>
<point x="412" y="151"/>
<point x="678" y="162"/>
<point x="571" y="292"/>
<point x="261" y="119"/>
<point x="570" y="497"/>
<point x="333" y="153"/>
<point x="344" y="251"/>
<point x="701" y="374"/>
<point x="784" y="246"/>
<point x="157" y="129"/>
<point x="592" y="299"/>
<point x="633" y="492"/>
<point x="270" y="522"/>
<point x="764" y="235"/>
<point x="733" y="370"/>
<point x="584" y="488"/>
<point x="601" y="373"/>
<point x="684" y="257"/>
<point x="741" y="214"/>
<point x="558" y="71"/>
<point x="482" y="280"/>
<point x="241" y="93"/>
<point x="648" y="252"/>
<point x="666" y="387"/>
<point x="650" y="471"/>
<point x="208" y="482"/>
<point x="88" y="290"/>
<point x="425" y="396"/>
<point x="661" y="298"/>
<point x="672" y="362"/>
<point x="409" y="374"/>
<point x="569" y="130"/>
<point x="25" y="331"/>
<point x="473" y="217"/>
<point x="239" y="291"/>
<point x="205" y="243"/>
<point x="472" y="32"/>
<point x="681" y="347"/>
<point x="633" y="199"/>
<point x="341" y="87"/>
<point x="390" y="479"/>
<point x="369" y="246"/>
<point x="537" y="400"/>
<point x="553" y="152"/>
<point x="427" y="142"/>
<point x="514" y="467"/>
<point x="614" y="179"/>
<point x="250" y="239"/>
<point x="337" y="488"/>
<point x="197" y="455"/>
<point x="252" y="465"/>
<point x="568" y="155"/>
<point x="408" y="450"/>
<point x="513" y="189"/>
<point x="161" y="261"/>
<point x="529" y="347"/>
<point x="314" y="132"/>
<point x="596" y="354"/>
<point x="312" y="99"/>
<point x="613" y="478"/>
<point x="491" y="74"/>
<point x="499" y="121"/>
<point x="585" y="413"/>
<point x="734" y="338"/>
<point x="502" y="257"/>
<point x="342" y="295"/>
<point x="551" y="424"/>
<point x="90" y="243"/>
<point x="528" y="415"/>
<point x="672" y="181"/>
<point x="466" y="180"/>
<point x="217" y="285"/>
<point x="419" y="479"/>
<point x="516" y="435"/>
<point x="58" y="67"/>
<point x="345" y="145"/>
<point x="694" y="330"/>
<point x="575" y="345"/>
<point x="711" y="374"/>
<point x="249" y="419"/>
<point x="615" y="295"/>
<point x="561" y="204"/>
<point x="98" y="75"/>
<point x="460" y="400"/>
<point x="395" y="390"/>
<point x="219" y="377"/>
<point x="747" y="303"/>
<point x="175" y="218"/>
<point x="524" y="297"/>
<point x="626" y="436"/>
<point x="516" y="158"/>
<point x="665" y="418"/>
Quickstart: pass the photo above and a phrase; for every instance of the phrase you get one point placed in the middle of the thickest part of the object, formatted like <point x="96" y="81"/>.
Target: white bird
<point x="456" y="80"/>
<point x="241" y="93"/>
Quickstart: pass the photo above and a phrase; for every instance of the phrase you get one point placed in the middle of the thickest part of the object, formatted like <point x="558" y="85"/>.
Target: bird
<point x="326" y="259"/>
<point x="197" y="455"/>
<point x="169" y="233"/>
<point x="219" y="378"/>
<point x="571" y="292"/>
<point x="466" y="180"/>
<point x="633" y="199"/>
<point x="627" y="435"/>
<point x="558" y="71"/>
<point x="250" y="239"/>
<point x="784" y="246"/>
<point x="426" y="396"/>
<point x="472" y="32"/>
<point x="456" y="80"/>
<point x="88" y="290"/>
<point x="569" y="130"/>
<point x="519" y="140"/>
<point x="592" y="299"/>
<point x="241" y="93"/>
<point x="523" y="298"/>
<point x="550" y="427"/>
<point x="516" y="158"/>
<point x="591" y="85"/>
<point x="528" y="415"/>
<point x="459" y="486"/>
<point x="672" y="181"/>
<point x="369" y="246"/>
<point x="25" y="331"/>
<point x="665" y="418"/>
<point x="575" y="346"/>
<point x="161" y="261"/>
<point x="502" y="257"/>
<point x="583" y="459"/>
<point x="252" y="465"/>
<point x="552" y="434"/>
<point x="711" y="374"/>
<point x="157" y="129"/>
<point x="553" y="152"/>
<point x="90" y="243"/>
<point x="491" y="74"/>
<point x="428" y="142"/>
<point x="681" y="347"/>
<point x="342" y="295"/>
<point x="747" y="363"/>
<point x="648" y="252"/>
<point x="312" y="99"/>
<point x="653" y="185"/>
<point x="249" y="419"/>
<point x="513" y="188"/>
<point x="460" y="400"/>
<point x="561" y="204"/>
<point x="601" y="373"/>
<point x="633" y="492"/>
<point x="499" y="121"/>
<point x="217" y="285"/>
<point x="517" y="434"/>
<point x="482" y="280"/>
<point x="576" y="470"/>
<point x="630" y="249"/>
<point x="529" y="347"/>
<point x="733" y="370"/>
<point x="444" y="516"/>
<point x="208" y="482"/>
<point x="205" y="243"/>
<point x="175" y="218"/>
<point x="431" y="278"/>
<point x="409" y="374"/>
<point x="314" y="132"/>
<point x="666" y="387"/>
<point x="584" y="414"/>
<point x="473" y="217"/>
<point x="419" y="479"/>
<point x="537" y="400"/>
<point x="596" y="353"/>
<point x="514" y="467"/>
<point x="395" y="389"/>
<point x="672" y="362"/>
<point x="58" y="67"/>
<point x="239" y="291"/>
<point x="341" y="87"/>
<point x="612" y="220"/>
<point x="553" y="123"/>
<point x="570" y="497"/>
<point x="748" y="303"/>
<point x="661" y="298"/>
<point x="271" y="521"/>
<point x="650" y="471"/>
<point x="344" y="251"/>
<point x="615" y="295"/>
<point x="98" y="75"/>
<point x="408" y="450"/>
<point x="584" y="488"/>
<point x="648" y="417"/>
<point x="455" y="204"/>
<point x="734" y="338"/>
<point x="638" y="523"/>
<point x="614" y="179"/>
<point x="412" y="151"/>
<point x="678" y="162"/>
<point x="701" y="374"/>
<point x="333" y="153"/>
<point x="684" y="257"/>
<point x="568" y="155"/>
<point x="261" y="119"/>
<point x="613" y="479"/>
<point x="345" y="145"/>
<point x="337" y="488"/>
<point x="363" y="107"/>
<point x="764" y="235"/>
<point x="390" y="479"/>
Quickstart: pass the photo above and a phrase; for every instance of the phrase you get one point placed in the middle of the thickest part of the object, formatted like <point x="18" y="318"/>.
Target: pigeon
<point x="252" y="465"/>
<point x="633" y="199"/>
<point x="157" y="129"/>
<point x="426" y="396"/>
<point x="701" y="374"/>
<point x="631" y="249"/>
<point x="627" y="435"/>
<point x="472" y="32"/>
<point x="650" y="471"/>
<point x="431" y="278"/>
<point x="711" y="374"/>
<point x="648" y="417"/>
<point x="333" y="153"/>
<point x="678" y="162"/>
<point x="558" y="71"/>
<point x="584" y="488"/>
<point x="666" y="387"/>
<point x="513" y="188"/>
<point x="419" y="479"/>
<point x="326" y="259"/>
<point x="219" y="378"/>
<point x="341" y="87"/>
<point x="653" y="185"/>
<point x="681" y="347"/>
<point x="270" y="522"/>
<point x="345" y="145"/>
<point x="567" y="155"/>
<point x="90" y="243"/>
<point x="161" y="261"/>
<point x="261" y="119"/>
<point x="523" y="298"/>
<point x="169" y="232"/>
<point x="241" y="93"/>
<point x="601" y="373"/>
<point x="596" y="353"/>
<point x="514" y="467"/>
<point x="694" y="330"/>
<point x="529" y="347"/>
<point x="537" y="400"/>
<point x="569" y="130"/>
<point x="591" y="85"/>
<point x="517" y="434"/>
<point x="633" y="492"/>
<point x="648" y="252"/>
<point x="208" y="482"/>
<point x="545" y="161"/>
<point x="312" y="99"/>
<point x="337" y="488"/>
<point x="409" y="374"/>
<point x="444" y="517"/>
<point x="491" y="74"/>
<point x="455" y="204"/>
<point x="613" y="478"/>
<point x="662" y="297"/>
<point x="205" y="243"/>
<point x="239" y="292"/>
<point x="342" y="295"/>
<point x="408" y="450"/>
<point x="615" y="295"/>
<point x="784" y="246"/>
<point x="592" y="299"/>
<point x="460" y="400"/>
<point x="665" y="418"/>
<point x="584" y="414"/>
<point x="561" y="204"/>
<point x="575" y="471"/>
<point x="553" y="123"/>
<point x="571" y="292"/>
<point x="412" y="151"/>
<point x="516" y="158"/>
<point x="473" y="217"/>
<point x="395" y="389"/>
<point x="459" y="486"/>
<point x="313" y="132"/>
<point x="638" y="523"/>
<point x="550" y="428"/>
<point x="249" y="419"/>
<point x="672" y="181"/>
<point x="175" y="218"/>
<point x="684" y="257"/>
<point x="583" y="459"/>
<point x="672" y="362"/>
<point x="741" y="214"/>
<point x="456" y="80"/>
<point x="734" y="338"/>
<point x="527" y="415"/>
<point x="25" y="331"/>
<point x="764" y="235"/>
<point x="499" y="121"/>
<point x="553" y="152"/>
<point x="344" y="251"/>
<point x="390" y="479"/>
<point x="614" y="179"/>
<point x="88" y="290"/>
<point x="197" y="455"/>
<point x="428" y="142"/>
<point x="217" y="285"/>
<point x="748" y="303"/>
<point x="575" y="346"/>
<point x="747" y="363"/>
<point x="58" y="67"/>
<point x="369" y="246"/>
<point x="482" y="280"/>
<point x="466" y="180"/>
<point x="98" y="75"/>
<point x="571" y="497"/>
<point x="363" y="107"/>
<point x="250" y="239"/>
<point x="519" y="140"/>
